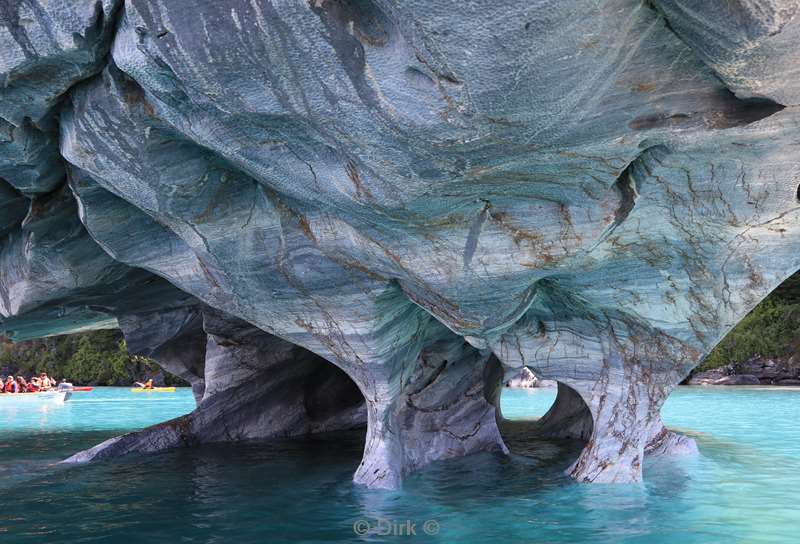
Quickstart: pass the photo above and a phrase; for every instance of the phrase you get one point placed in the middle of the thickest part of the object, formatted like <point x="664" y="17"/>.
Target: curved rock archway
<point x="568" y="417"/>
<point x="254" y="385"/>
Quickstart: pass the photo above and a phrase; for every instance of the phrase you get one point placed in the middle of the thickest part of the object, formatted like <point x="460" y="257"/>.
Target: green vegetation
<point x="772" y="329"/>
<point x="92" y="358"/>
<point x="769" y="330"/>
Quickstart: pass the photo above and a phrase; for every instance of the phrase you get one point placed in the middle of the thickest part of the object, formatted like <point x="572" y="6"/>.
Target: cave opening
<point x="316" y="417"/>
<point x="545" y="421"/>
<point x="260" y="387"/>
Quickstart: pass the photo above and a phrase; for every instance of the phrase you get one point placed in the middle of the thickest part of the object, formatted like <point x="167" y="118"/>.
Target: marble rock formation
<point x="284" y="201"/>
<point x="523" y="378"/>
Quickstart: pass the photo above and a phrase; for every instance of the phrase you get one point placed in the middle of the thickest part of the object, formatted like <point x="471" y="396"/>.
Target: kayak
<point x="153" y="390"/>
<point x="82" y="389"/>
<point x="49" y="396"/>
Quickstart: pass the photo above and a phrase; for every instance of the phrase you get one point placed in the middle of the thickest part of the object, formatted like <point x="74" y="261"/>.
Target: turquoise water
<point x="744" y="487"/>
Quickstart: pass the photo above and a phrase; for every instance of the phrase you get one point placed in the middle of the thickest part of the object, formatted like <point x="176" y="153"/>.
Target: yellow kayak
<point x="153" y="390"/>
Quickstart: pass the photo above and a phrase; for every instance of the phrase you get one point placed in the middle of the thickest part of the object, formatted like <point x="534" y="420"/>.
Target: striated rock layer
<point x="327" y="213"/>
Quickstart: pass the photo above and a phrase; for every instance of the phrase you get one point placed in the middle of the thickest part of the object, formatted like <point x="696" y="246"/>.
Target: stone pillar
<point x="627" y="432"/>
<point x="439" y="407"/>
<point x="624" y="406"/>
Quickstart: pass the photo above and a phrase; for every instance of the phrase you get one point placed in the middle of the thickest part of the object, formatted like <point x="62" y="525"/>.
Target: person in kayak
<point x="146" y="385"/>
<point x="45" y="383"/>
<point x="23" y="385"/>
<point x="11" y="385"/>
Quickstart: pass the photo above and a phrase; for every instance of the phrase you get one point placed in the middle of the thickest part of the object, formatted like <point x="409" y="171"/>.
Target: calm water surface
<point x="744" y="487"/>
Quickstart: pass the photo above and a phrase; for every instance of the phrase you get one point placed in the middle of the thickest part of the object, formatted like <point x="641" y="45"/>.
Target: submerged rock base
<point x="445" y="409"/>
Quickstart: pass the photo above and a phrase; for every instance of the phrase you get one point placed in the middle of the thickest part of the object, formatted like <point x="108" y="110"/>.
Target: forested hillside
<point x="92" y="358"/>
<point x="771" y="330"/>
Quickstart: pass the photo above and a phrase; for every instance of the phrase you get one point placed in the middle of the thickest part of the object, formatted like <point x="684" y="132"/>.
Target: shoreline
<point x="771" y="387"/>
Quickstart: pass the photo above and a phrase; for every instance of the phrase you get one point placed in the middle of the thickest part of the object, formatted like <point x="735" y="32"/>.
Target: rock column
<point x="440" y="407"/>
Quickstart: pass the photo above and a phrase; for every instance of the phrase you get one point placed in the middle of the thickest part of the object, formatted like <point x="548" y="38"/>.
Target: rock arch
<point x="255" y="386"/>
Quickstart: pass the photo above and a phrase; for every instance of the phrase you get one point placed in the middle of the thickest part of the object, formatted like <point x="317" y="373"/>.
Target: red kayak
<point x="83" y="389"/>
